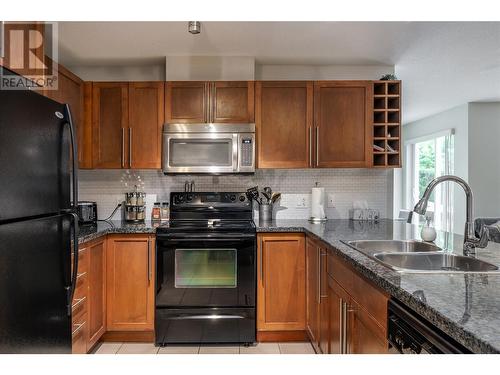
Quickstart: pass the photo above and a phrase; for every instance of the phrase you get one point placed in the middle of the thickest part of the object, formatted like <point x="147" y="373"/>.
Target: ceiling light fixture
<point x="194" y="27"/>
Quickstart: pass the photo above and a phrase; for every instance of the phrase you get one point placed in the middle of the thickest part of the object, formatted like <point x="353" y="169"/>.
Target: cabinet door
<point x="130" y="291"/>
<point x="97" y="292"/>
<point x="232" y="102"/>
<point x="342" y="124"/>
<point x="281" y="294"/>
<point x="146" y="117"/>
<point x="335" y="318"/>
<point x="323" y="303"/>
<point x="186" y="102"/>
<point x="312" y="282"/>
<point x="110" y="121"/>
<point x="283" y="119"/>
<point x="365" y="335"/>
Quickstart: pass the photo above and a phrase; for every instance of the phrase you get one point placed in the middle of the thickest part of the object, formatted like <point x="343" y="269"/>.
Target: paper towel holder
<point x="317" y="220"/>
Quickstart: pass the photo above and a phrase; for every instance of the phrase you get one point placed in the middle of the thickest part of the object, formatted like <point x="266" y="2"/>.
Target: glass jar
<point x="141" y="215"/>
<point x="141" y="197"/>
<point x="165" y="211"/>
<point x="131" y="198"/>
<point x="156" y="212"/>
<point x="130" y="213"/>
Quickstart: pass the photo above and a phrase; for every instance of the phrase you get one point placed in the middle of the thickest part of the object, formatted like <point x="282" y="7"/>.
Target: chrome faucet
<point x="470" y="239"/>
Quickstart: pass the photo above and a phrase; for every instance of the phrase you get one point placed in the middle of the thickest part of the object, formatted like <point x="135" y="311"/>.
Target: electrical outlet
<point x="331" y="201"/>
<point x="302" y="201"/>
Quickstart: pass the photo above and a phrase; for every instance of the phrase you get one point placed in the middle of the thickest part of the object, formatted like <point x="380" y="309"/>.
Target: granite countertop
<point x="89" y="232"/>
<point x="464" y="306"/>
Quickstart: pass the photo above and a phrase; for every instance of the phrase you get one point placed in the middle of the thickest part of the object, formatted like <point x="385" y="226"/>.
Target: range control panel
<point x="209" y="199"/>
<point x="247" y="148"/>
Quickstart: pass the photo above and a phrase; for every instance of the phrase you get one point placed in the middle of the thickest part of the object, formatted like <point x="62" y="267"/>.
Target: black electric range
<point x="206" y="270"/>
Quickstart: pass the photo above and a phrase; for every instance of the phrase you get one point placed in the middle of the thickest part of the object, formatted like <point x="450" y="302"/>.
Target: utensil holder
<point x="266" y="212"/>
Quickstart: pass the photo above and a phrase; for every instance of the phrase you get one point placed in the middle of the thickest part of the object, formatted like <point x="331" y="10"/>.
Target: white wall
<point x="455" y="118"/>
<point x="209" y="68"/>
<point x="120" y="72"/>
<point x="484" y="158"/>
<point x="319" y="72"/>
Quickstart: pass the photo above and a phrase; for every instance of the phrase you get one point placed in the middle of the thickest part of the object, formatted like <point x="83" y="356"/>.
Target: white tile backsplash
<point x="107" y="187"/>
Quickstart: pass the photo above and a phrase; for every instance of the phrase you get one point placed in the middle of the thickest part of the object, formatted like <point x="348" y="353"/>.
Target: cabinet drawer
<point x="372" y="299"/>
<point x="79" y="306"/>
<point x="79" y="334"/>
<point x="81" y="286"/>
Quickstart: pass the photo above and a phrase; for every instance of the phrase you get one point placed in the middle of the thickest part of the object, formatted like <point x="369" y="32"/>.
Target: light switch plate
<point x="303" y="201"/>
<point x="331" y="200"/>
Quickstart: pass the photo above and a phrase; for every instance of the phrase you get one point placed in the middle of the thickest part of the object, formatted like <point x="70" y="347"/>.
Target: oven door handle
<point x="195" y="239"/>
<point x="206" y="316"/>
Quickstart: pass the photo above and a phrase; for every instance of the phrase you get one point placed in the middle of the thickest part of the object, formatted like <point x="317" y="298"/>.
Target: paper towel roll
<point x="318" y="203"/>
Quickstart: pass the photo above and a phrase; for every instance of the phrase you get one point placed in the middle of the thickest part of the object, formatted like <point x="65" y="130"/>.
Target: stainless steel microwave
<point x="208" y="148"/>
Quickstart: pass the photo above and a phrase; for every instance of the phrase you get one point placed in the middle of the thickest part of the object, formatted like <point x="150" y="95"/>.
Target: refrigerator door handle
<point x="74" y="176"/>
<point x="70" y="289"/>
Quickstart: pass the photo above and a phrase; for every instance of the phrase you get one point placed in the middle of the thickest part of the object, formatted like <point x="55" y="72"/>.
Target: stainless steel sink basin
<point x="393" y="246"/>
<point x="434" y="262"/>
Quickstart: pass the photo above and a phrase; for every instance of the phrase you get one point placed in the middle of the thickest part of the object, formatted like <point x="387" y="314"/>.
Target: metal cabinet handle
<point x="341" y="326"/>
<point x="317" y="146"/>
<point x="318" y="256"/>
<point x="212" y="103"/>
<point x="322" y="254"/>
<point x="149" y="266"/>
<point x="344" y="327"/>
<point x="78" y="328"/>
<point x="310" y="147"/>
<point x="130" y="147"/>
<point x="123" y="147"/>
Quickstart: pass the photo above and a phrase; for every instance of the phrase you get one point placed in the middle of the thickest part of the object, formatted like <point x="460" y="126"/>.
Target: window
<point x="427" y="158"/>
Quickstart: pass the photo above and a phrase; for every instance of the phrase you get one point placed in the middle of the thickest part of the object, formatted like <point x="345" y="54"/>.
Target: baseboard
<point x="122" y="336"/>
<point x="281" y="336"/>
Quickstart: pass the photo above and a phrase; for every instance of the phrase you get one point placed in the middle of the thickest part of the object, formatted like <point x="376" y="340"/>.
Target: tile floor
<point x="261" y="348"/>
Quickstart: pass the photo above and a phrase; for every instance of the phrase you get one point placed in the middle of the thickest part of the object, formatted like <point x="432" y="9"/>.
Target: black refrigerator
<point x="38" y="225"/>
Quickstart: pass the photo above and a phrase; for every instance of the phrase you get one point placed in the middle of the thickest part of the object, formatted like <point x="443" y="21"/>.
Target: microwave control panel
<point x="246" y="151"/>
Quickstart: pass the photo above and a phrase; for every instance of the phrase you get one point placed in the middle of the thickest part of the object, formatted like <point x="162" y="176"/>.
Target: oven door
<point x="200" y="153"/>
<point x="205" y="272"/>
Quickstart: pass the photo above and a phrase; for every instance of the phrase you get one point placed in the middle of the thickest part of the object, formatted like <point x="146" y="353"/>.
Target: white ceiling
<point x="442" y="64"/>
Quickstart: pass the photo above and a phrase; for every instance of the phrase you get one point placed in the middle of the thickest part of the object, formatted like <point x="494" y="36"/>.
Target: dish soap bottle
<point x="428" y="232"/>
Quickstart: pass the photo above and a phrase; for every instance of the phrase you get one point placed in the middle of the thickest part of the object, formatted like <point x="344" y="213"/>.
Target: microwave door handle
<point x="236" y="156"/>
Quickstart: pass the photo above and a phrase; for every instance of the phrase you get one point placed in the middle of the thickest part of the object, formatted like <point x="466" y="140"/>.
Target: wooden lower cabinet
<point x="317" y="295"/>
<point x="79" y="307"/>
<point x="130" y="282"/>
<point x="357" y="312"/>
<point x="281" y="294"/>
<point x="97" y="292"/>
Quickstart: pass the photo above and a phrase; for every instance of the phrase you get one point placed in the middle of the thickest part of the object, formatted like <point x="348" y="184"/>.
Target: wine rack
<point x="387" y="124"/>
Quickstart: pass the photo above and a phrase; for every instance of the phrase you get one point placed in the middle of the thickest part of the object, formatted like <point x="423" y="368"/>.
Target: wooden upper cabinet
<point x="343" y="136"/>
<point x="284" y="120"/>
<point x="281" y="283"/>
<point x="97" y="292"/>
<point x="209" y="102"/>
<point x="145" y="121"/>
<point x="130" y="283"/>
<point x="186" y="102"/>
<point x="109" y="124"/>
<point x="231" y="102"/>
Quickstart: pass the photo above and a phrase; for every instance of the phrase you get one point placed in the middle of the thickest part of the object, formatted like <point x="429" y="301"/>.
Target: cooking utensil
<point x="253" y="193"/>
<point x="268" y="192"/>
<point x="275" y="197"/>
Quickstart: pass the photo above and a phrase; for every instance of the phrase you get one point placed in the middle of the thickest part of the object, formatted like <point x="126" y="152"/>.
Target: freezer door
<point x="34" y="155"/>
<point x="35" y="268"/>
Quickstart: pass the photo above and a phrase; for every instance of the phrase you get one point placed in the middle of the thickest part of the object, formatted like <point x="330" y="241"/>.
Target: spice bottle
<point x="156" y="212"/>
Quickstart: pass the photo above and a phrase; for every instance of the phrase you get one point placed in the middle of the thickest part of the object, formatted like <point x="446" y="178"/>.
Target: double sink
<point x="418" y="256"/>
